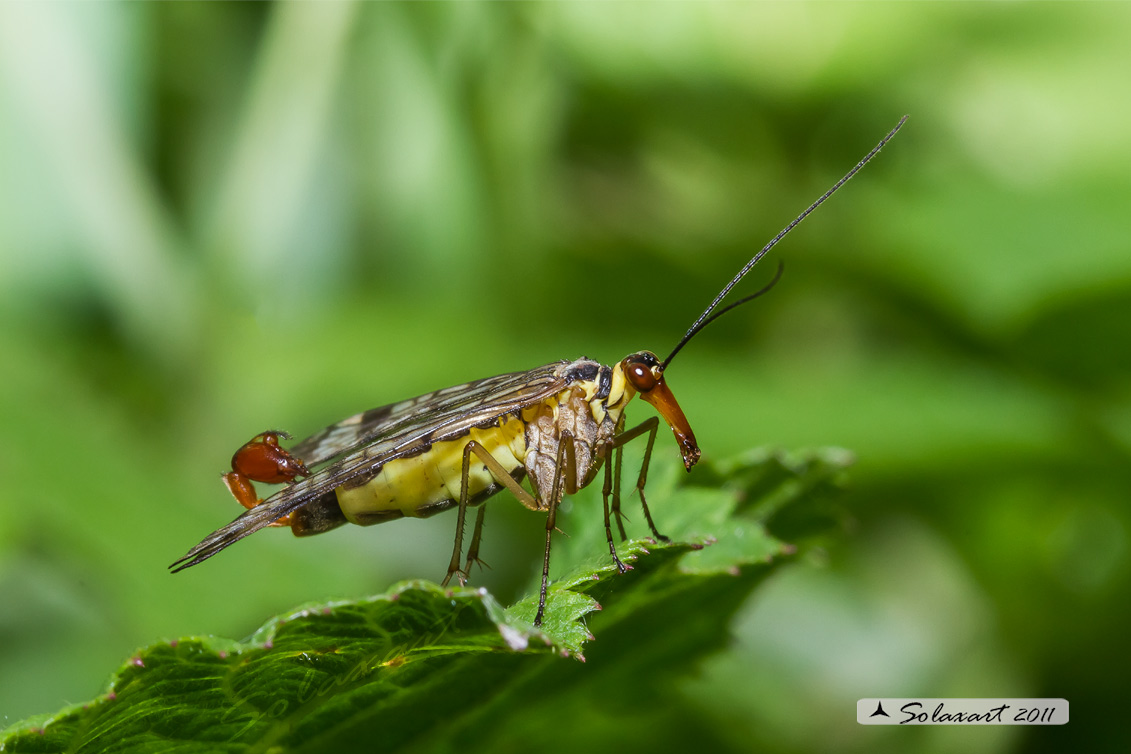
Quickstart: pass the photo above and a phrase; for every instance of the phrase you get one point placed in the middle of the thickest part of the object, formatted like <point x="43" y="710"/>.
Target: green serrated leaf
<point x="425" y="666"/>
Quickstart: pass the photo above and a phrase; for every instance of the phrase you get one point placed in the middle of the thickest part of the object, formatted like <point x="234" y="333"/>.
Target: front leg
<point x="650" y="426"/>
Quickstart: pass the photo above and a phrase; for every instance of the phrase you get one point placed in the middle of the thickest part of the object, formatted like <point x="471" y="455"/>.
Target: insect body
<point x="557" y="425"/>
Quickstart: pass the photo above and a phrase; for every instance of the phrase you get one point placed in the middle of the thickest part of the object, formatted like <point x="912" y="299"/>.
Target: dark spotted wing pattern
<point x="367" y="441"/>
<point x="395" y="418"/>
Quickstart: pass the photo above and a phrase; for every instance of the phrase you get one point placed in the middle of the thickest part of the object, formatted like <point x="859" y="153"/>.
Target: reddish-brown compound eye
<point x="641" y="377"/>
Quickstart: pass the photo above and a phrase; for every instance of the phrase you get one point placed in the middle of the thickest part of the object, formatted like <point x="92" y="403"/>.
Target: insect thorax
<point x="583" y="411"/>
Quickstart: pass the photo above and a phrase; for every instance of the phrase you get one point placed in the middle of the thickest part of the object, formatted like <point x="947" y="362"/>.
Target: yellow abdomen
<point x="429" y="482"/>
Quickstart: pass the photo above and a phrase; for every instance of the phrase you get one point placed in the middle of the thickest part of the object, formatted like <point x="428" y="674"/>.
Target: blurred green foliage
<point x="218" y="219"/>
<point x="429" y="668"/>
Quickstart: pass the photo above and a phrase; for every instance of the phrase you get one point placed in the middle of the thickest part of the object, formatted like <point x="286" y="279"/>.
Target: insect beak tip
<point x="662" y="399"/>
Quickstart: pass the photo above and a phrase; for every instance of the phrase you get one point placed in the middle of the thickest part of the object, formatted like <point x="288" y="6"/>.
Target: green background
<point x="216" y="220"/>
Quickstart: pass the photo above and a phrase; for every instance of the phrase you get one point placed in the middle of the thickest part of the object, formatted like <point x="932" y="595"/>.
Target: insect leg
<point x="473" y="548"/>
<point x="618" y="453"/>
<point x="605" y="490"/>
<point x="502" y="477"/>
<point x="565" y="480"/>
<point x="650" y="426"/>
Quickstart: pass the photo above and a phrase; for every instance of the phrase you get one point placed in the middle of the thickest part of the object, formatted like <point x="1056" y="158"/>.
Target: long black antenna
<point x="705" y="318"/>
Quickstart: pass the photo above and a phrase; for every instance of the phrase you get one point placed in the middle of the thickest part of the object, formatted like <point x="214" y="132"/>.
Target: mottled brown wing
<point x="395" y="419"/>
<point x="384" y="434"/>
